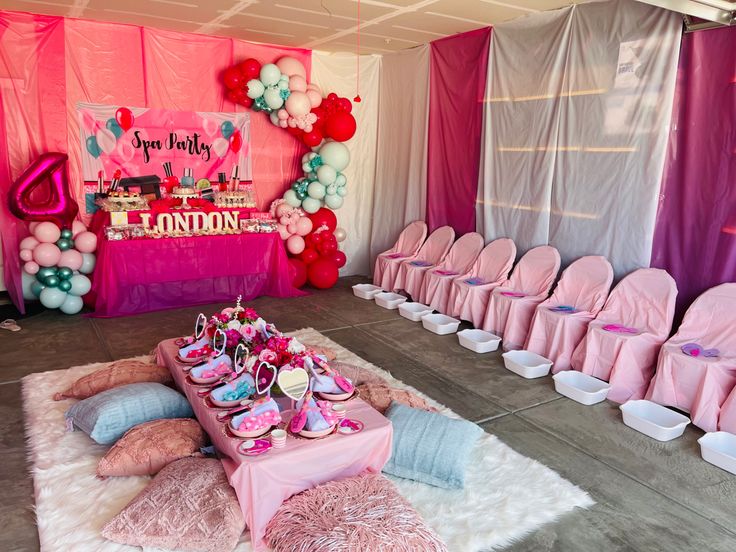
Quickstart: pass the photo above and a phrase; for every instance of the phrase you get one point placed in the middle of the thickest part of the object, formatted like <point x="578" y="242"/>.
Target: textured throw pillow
<point x="380" y="396"/>
<point x="189" y="505"/>
<point x="147" y="448"/>
<point x="356" y="374"/>
<point x="324" y="351"/>
<point x="358" y="513"/>
<point x="106" y="416"/>
<point x="122" y="372"/>
<point x="429" y="447"/>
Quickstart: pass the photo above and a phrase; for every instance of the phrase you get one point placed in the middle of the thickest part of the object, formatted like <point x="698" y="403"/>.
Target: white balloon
<point x="336" y="155"/>
<point x="106" y="140"/>
<point x="88" y="263"/>
<point x="306" y="167"/>
<point x="80" y="285"/>
<point x="273" y="98"/>
<point x="274" y="116"/>
<point x="255" y="89"/>
<point x="326" y="174"/>
<point x="311" y="205"/>
<point x="342" y="191"/>
<point x="316" y="190"/>
<point x="291" y="198"/>
<point x="220" y="145"/>
<point x="72" y="304"/>
<point x="270" y="74"/>
<point x="341" y="180"/>
<point x="333" y="201"/>
<point x="340" y="234"/>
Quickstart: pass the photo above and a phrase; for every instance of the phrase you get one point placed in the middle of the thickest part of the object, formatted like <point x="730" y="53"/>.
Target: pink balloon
<point x="26" y="255"/>
<point x="291" y="228"/>
<point x="283" y="232"/>
<point x="282" y="209"/>
<point x="297" y="83"/>
<point x="291" y="66"/>
<point x="295" y="244"/>
<point x="283" y="123"/>
<point x="312" y="86"/>
<point x="86" y="242"/>
<point x="284" y="219"/>
<point x="303" y="226"/>
<point x="282" y="114"/>
<point x="47" y="232"/>
<point x="31" y="267"/>
<point x="47" y="254"/>
<point x="315" y="98"/>
<point x="29" y="243"/>
<point x="71" y="258"/>
<point x="78" y="227"/>
<point x="298" y="104"/>
<point x="32" y="226"/>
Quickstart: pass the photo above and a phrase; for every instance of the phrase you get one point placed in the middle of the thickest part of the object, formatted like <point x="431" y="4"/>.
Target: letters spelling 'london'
<point x="191" y="144"/>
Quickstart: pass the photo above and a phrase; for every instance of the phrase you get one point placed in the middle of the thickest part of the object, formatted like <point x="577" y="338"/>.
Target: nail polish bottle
<point x="187" y="180"/>
<point x="170" y="181"/>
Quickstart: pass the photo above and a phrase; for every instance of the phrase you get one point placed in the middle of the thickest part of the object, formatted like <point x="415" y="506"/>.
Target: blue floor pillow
<point x="429" y="447"/>
<point x="105" y="417"/>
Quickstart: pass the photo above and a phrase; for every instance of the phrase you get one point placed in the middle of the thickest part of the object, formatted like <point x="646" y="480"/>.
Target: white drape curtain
<point x="338" y="73"/>
<point x="575" y="129"/>
<point x="400" y="194"/>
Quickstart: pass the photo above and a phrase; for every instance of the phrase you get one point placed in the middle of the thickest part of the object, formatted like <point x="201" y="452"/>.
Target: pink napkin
<point x="695" y="350"/>
<point x="617" y="328"/>
<point x="513" y="294"/>
<point x="475" y="281"/>
<point x="395" y="256"/>
<point x="445" y="272"/>
<point x="420" y="263"/>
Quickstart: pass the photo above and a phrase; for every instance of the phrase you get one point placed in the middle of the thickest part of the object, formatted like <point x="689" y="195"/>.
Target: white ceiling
<point x="330" y="25"/>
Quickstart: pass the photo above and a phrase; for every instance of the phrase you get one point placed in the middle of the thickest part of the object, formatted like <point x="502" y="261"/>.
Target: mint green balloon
<point x="65" y="285"/>
<point x="37" y="288"/>
<point x="67" y="234"/>
<point x="52" y="298"/>
<point x="52" y="281"/>
<point x="65" y="273"/>
<point x="71" y="305"/>
<point x="291" y="198"/>
<point x="80" y="285"/>
<point x="316" y="190"/>
<point x="44" y="273"/>
<point x="64" y="244"/>
<point x="311" y="205"/>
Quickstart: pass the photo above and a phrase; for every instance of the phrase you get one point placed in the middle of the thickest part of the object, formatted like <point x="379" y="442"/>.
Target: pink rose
<point x="248" y="332"/>
<point x="267" y="355"/>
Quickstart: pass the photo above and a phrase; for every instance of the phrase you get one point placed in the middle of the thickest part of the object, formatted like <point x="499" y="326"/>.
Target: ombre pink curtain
<point x="458" y="74"/>
<point x="695" y="236"/>
<point x="48" y="64"/>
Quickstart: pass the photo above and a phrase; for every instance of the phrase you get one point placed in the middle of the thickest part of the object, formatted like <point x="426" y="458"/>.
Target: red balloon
<point x="124" y="117"/>
<point x="250" y="68"/>
<point x="324" y="216"/>
<point x="236" y="95"/>
<point x="333" y="97"/>
<point x="340" y="126"/>
<point x="246" y="101"/>
<point x="49" y="170"/>
<point x="315" y="238"/>
<point x="233" y="78"/>
<point x="339" y="258"/>
<point x="294" y="131"/>
<point x="322" y="273"/>
<point x="345" y="105"/>
<point x="299" y="272"/>
<point x="309" y="255"/>
<point x="236" y="141"/>
<point x="326" y="248"/>
<point x="312" y="139"/>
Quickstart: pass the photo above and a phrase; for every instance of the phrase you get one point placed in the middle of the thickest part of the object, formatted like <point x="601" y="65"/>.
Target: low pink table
<point x="263" y="482"/>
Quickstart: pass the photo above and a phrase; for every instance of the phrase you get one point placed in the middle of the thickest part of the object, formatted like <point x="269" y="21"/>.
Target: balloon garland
<point x="59" y="253"/>
<point x="304" y="213"/>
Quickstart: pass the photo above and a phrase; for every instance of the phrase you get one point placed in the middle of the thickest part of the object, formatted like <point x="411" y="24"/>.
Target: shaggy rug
<point x="506" y="495"/>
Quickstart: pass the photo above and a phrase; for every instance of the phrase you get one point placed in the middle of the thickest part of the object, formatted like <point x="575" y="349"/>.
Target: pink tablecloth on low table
<point x="134" y="276"/>
<point x="263" y="482"/>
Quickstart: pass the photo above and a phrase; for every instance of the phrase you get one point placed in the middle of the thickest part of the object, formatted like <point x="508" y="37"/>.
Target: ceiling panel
<point x="386" y="25"/>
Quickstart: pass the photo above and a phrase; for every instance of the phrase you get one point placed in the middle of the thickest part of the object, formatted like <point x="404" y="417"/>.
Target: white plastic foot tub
<point x="389" y="300"/>
<point x="719" y="449"/>
<point x="654" y="420"/>
<point x="414" y="311"/>
<point x="479" y="341"/>
<point x="581" y="387"/>
<point x="441" y="324"/>
<point x="366" y="291"/>
<point x="527" y="364"/>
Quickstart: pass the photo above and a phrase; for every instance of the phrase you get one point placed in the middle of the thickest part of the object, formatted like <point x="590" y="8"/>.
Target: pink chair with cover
<point x="560" y="322"/>
<point x="700" y="384"/>
<point x="727" y="419"/>
<point x="638" y="317"/>
<point x="469" y="295"/>
<point x="512" y="305"/>
<point x="406" y="247"/>
<point x="411" y="273"/>
<point x="438" y="281"/>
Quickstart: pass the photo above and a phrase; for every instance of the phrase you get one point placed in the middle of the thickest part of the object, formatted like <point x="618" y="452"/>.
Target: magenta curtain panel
<point x="457" y="81"/>
<point x="695" y="235"/>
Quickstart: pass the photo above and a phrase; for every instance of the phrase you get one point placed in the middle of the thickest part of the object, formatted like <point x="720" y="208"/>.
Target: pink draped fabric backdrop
<point x="458" y="74"/>
<point x="48" y="64"/>
<point x="695" y="236"/>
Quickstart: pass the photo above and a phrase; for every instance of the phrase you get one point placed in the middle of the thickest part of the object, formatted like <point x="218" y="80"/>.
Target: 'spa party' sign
<point x="139" y="140"/>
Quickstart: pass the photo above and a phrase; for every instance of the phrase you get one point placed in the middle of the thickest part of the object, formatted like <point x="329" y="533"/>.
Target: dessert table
<point x="135" y="276"/>
<point x="263" y="482"/>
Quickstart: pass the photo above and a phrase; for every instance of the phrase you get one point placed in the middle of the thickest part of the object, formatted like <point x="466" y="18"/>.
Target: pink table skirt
<point x="134" y="276"/>
<point x="263" y="482"/>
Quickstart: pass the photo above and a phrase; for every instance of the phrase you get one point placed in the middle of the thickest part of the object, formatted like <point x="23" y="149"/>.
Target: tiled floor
<point x="650" y="496"/>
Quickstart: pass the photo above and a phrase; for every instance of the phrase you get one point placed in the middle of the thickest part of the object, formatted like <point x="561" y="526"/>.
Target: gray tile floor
<point x="650" y="496"/>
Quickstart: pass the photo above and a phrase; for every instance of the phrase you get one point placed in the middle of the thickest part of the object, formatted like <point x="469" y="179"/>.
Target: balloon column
<point x="58" y="254"/>
<point x="322" y="123"/>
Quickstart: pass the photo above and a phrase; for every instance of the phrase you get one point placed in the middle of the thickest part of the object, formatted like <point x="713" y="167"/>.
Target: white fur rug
<point x="506" y="495"/>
